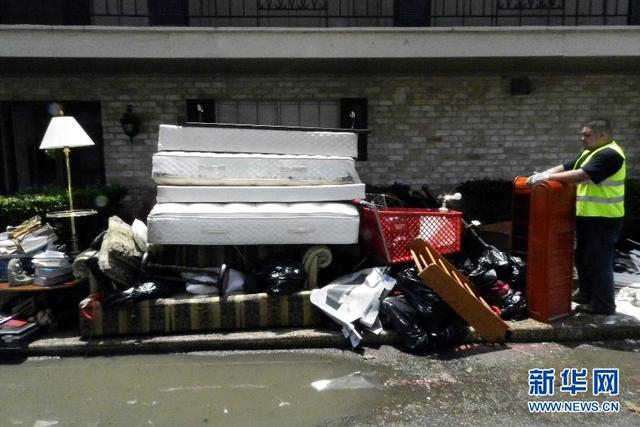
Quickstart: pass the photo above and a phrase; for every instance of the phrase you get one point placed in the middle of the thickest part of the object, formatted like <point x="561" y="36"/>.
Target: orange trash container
<point x="542" y="233"/>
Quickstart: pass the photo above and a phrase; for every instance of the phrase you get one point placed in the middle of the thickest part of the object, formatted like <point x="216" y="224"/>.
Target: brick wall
<point x="426" y="129"/>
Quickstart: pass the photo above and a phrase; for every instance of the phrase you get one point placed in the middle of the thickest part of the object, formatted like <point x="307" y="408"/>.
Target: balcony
<point x="142" y="37"/>
<point x="321" y="13"/>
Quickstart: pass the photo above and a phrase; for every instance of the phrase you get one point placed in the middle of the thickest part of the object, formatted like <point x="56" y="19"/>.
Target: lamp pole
<point x="66" y="133"/>
<point x="74" y="236"/>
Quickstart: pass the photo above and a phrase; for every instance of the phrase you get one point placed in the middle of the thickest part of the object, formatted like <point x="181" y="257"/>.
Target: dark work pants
<point x="595" y="241"/>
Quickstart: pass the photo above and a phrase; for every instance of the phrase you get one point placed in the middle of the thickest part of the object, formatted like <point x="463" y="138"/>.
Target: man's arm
<point x="573" y="176"/>
<point x="554" y="169"/>
<point x="558" y="173"/>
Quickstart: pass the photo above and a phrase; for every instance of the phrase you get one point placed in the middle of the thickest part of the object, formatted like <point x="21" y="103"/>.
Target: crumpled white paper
<point x="355" y="297"/>
<point x="628" y="302"/>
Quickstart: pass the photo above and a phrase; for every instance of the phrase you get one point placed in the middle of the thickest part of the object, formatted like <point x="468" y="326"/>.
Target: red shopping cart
<point x="386" y="232"/>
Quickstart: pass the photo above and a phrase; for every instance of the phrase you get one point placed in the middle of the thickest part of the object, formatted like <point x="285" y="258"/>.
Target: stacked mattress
<point x="246" y="185"/>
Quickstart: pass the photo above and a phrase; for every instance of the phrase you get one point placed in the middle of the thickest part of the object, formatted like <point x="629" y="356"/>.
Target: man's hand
<point x="538" y="177"/>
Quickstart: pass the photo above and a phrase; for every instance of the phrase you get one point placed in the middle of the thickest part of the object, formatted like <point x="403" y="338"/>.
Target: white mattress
<point x="257" y="140"/>
<point x="193" y="168"/>
<point x="252" y="224"/>
<point x="256" y="194"/>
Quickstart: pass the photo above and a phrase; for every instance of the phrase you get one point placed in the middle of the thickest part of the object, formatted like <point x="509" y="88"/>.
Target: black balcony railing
<point x="291" y="13"/>
<point x="534" y="12"/>
<point x="320" y="13"/>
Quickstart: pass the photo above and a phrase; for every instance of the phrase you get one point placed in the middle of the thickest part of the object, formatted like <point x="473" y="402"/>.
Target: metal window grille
<point x="530" y="12"/>
<point x="325" y="13"/>
<point x="285" y="113"/>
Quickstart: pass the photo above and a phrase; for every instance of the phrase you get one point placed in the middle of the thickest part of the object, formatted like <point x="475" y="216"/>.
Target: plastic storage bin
<point x="386" y="232"/>
<point x="543" y="225"/>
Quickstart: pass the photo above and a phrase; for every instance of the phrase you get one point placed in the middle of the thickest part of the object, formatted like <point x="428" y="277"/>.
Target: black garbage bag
<point x="491" y="263"/>
<point x="483" y="278"/>
<point x="281" y="277"/>
<point x="433" y="312"/>
<point x="513" y="306"/>
<point x="481" y="274"/>
<point x="511" y="303"/>
<point x="451" y="335"/>
<point x="517" y="276"/>
<point x="137" y="293"/>
<point x="508" y="268"/>
<point x="490" y="266"/>
<point x="397" y="314"/>
<point x="494" y="257"/>
<point x="625" y="262"/>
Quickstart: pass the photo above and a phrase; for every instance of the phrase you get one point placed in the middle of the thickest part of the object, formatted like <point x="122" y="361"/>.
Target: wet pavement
<point x="472" y="384"/>
<point x="244" y="389"/>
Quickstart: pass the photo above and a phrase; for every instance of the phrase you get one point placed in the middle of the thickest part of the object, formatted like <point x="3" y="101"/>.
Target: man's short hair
<point x="599" y="125"/>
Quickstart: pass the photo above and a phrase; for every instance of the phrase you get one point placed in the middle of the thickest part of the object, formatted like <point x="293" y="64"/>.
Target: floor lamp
<point x="66" y="133"/>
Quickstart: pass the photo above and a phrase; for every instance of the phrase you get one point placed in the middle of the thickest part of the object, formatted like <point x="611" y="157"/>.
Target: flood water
<point x="468" y="385"/>
<point x="285" y="389"/>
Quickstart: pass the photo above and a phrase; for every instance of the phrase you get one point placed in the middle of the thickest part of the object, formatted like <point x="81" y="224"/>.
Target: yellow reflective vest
<point x="605" y="199"/>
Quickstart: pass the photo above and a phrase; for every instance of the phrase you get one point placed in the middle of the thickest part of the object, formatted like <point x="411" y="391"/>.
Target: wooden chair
<point x="456" y="290"/>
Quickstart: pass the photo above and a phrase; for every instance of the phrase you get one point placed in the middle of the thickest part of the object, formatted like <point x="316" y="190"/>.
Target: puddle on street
<point x="310" y="388"/>
<point x="190" y="389"/>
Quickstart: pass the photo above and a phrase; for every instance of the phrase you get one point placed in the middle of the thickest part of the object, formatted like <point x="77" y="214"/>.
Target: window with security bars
<point x="242" y="13"/>
<point x="291" y="13"/>
<point x="283" y="113"/>
<point x="343" y="113"/>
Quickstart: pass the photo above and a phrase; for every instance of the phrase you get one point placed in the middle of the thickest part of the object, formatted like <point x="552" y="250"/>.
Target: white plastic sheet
<point x="628" y="302"/>
<point x="355" y="297"/>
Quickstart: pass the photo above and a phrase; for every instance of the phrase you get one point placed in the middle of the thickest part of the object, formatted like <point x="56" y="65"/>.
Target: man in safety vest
<point x="599" y="173"/>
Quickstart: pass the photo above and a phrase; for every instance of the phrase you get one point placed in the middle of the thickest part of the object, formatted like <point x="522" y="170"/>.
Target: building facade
<point x="450" y="93"/>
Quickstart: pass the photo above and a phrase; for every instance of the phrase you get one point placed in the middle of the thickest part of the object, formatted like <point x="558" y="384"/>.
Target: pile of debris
<point x="121" y="272"/>
<point x="28" y="255"/>
<point x="29" y="258"/>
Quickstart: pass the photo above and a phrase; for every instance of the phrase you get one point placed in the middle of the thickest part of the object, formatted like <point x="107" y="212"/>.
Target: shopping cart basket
<point x="386" y="232"/>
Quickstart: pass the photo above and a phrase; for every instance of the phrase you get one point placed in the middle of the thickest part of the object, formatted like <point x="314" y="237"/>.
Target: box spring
<point x="252" y="223"/>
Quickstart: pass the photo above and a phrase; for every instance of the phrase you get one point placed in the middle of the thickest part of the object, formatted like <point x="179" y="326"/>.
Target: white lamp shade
<point x="63" y="132"/>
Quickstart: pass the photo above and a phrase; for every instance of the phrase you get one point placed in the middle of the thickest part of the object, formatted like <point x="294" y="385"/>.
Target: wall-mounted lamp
<point x="130" y="123"/>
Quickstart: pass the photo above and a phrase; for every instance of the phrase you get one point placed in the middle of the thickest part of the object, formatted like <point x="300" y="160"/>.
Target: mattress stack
<point x="252" y="185"/>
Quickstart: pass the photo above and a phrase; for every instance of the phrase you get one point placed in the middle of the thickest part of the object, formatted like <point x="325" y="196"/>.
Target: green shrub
<point x="106" y="200"/>
<point x="486" y="200"/>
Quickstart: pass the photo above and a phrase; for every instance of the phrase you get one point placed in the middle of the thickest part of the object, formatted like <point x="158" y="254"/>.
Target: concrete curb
<point x="246" y="340"/>
<point x="577" y="327"/>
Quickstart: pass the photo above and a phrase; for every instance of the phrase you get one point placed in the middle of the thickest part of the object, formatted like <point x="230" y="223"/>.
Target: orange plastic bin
<point x="542" y="233"/>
